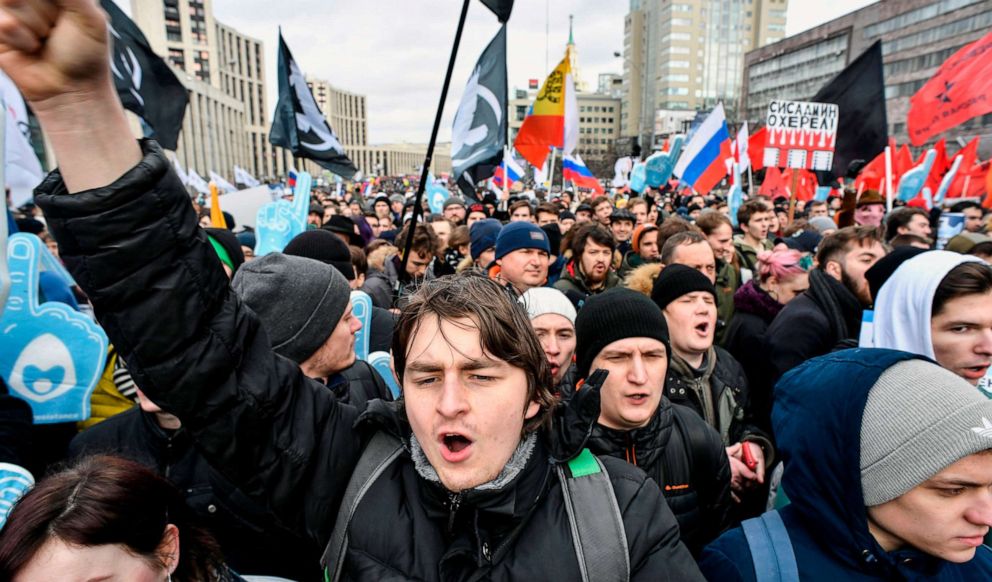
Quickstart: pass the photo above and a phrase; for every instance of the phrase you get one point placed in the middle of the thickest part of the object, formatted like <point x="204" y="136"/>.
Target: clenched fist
<point x="54" y="47"/>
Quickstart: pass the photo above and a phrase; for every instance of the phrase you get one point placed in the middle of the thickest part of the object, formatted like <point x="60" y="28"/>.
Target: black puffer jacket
<point x="197" y="351"/>
<point x="252" y="542"/>
<point x="685" y="456"/>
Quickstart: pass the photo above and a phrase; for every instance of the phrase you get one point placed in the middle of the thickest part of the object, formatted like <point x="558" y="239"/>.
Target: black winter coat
<point x="251" y="541"/>
<point x="686" y="457"/>
<point x="159" y="290"/>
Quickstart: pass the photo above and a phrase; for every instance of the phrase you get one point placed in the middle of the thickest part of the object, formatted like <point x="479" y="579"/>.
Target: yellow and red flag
<point x="553" y="120"/>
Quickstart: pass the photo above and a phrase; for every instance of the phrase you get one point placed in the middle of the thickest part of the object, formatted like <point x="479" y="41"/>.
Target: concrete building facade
<point x="689" y="55"/>
<point x="917" y="37"/>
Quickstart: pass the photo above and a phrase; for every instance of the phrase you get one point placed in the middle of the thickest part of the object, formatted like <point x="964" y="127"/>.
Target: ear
<point x="532" y="409"/>
<point x="833" y="269"/>
<point x="169" y="547"/>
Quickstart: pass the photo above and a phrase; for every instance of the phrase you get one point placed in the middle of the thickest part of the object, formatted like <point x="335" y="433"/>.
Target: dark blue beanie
<point x="483" y="236"/>
<point x="521" y="235"/>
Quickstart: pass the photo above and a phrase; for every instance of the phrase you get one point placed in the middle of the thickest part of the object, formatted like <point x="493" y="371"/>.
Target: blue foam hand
<point x="822" y="193"/>
<point x="945" y="183"/>
<point x="52" y="356"/>
<point x="927" y="197"/>
<point x="14" y="482"/>
<point x="278" y="222"/>
<point x="4" y="272"/>
<point x="437" y="195"/>
<point x="361" y="308"/>
<point x="638" y="177"/>
<point x="381" y="362"/>
<point x="660" y="165"/>
<point x="913" y="180"/>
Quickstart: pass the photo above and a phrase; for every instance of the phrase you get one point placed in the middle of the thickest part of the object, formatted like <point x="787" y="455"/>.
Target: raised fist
<point x="53" y="47"/>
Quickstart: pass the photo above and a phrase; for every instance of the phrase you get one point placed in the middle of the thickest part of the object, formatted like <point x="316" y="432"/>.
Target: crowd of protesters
<point x="615" y="386"/>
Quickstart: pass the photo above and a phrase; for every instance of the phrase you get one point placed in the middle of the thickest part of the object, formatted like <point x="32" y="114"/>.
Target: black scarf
<point x="841" y="307"/>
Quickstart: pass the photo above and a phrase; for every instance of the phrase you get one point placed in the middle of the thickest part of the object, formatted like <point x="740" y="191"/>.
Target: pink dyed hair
<point x="782" y="264"/>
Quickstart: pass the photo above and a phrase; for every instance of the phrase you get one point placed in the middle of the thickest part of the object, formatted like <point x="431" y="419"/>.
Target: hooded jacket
<point x="574" y="280"/>
<point x="686" y="457"/>
<point x="824" y="317"/>
<point x="905" y="302"/>
<point x="286" y="442"/>
<point x="819" y="432"/>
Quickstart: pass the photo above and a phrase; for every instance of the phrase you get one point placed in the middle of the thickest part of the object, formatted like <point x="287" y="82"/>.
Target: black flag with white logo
<point x="478" y="134"/>
<point x="299" y="126"/>
<point x="145" y="83"/>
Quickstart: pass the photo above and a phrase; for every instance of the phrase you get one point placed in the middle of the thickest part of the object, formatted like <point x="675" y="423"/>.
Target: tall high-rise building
<point x="688" y="55"/>
<point x="223" y="70"/>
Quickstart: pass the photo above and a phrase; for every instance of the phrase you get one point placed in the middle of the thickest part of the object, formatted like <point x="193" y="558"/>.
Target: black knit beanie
<point x="676" y="281"/>
<point x="323" y="246"/>
<point x="616" y="314"/>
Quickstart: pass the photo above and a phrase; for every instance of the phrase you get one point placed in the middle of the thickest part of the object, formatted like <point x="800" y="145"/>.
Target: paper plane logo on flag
<point x="703" y="163"/>
<point x="575" y="170"/>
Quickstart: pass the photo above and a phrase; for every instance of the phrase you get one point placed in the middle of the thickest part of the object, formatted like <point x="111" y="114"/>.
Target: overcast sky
<point x="395" y="51"/>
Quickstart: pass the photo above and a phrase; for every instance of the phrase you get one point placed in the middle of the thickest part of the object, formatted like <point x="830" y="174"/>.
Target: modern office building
<point x="917" y="37"/>
<point x="688" y="55"/>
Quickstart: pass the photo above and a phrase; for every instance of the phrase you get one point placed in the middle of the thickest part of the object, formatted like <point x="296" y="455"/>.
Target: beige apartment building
<point x="688" y="55"/>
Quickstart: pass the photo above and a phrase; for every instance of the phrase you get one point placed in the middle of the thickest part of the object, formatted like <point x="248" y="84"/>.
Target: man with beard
<point x="828" y="314"/>
<point x="589" y="271"/>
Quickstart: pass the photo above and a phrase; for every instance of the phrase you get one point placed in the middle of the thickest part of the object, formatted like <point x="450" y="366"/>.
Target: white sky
<point x="395" y="51"/>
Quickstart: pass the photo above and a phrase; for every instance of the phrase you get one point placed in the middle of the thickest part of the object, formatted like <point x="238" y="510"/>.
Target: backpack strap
<point x="381" y="451"/>
<point x="598" y="536"/>
<point x="771" y="549"/>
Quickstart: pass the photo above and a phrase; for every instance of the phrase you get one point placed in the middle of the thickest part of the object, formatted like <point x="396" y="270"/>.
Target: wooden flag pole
<point x="792" y="195"/>
<point x="418" y="200"/>
<point x="889" y="194"/>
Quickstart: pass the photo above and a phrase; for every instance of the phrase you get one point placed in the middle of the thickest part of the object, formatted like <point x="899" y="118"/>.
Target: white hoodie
<point x="904" y="304"/>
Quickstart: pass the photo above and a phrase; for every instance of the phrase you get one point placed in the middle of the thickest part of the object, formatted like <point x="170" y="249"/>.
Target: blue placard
<point x="380" y="361"/>
<point x="361" y="308"/>
<point x="437" y="195"/>
<point x="278" y="222"/>
<point x="52" y="356"/>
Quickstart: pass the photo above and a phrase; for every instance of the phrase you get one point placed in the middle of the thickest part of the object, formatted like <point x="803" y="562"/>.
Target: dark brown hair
<point x="636" y="201"/>
<point x="966" y="279"/>
<point x="459" y="236"/>
<point x="595" y="231"/>
<point x="547" y="208"/>
<point x="671" y="227"/>
<point x="596" y="202"/>
<point x="839" y="242"/>
<point x="900" y="217"/>
<point x="504" y="329"/>
<point x="424" y="240"/>
<point x="358" y="260"/>
<point x="689" y="237"/>
<point x="104" y="500"/>
<point x="749" y="209"/>
<point x="520" y="204"/>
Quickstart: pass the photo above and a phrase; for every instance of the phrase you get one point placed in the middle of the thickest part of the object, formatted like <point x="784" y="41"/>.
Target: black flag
<point x="501" y="8"/>
<point x="299" y="126"/>
<point x="859" y="93"/>
<point x="145" y="84"/>
<point x="478" y="135"/>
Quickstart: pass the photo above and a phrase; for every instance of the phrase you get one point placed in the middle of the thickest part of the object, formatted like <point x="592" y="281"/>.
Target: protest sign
<point x="801" y="135"/>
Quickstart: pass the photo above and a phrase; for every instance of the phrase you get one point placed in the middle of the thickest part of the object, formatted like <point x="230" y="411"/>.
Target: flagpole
<point x="418" y="200"/>
<point x="506" y="177"/>
<point x="749" y="185"/>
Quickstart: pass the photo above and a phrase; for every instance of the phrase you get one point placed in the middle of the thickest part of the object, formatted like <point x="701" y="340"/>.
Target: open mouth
<point x="455" y="447"/>
<point x="639" y="398"/>
<point x="702" y="328"/>
<point x="975" y="372"/>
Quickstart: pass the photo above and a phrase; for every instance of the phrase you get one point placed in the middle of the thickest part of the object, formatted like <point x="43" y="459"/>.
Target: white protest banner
<point x="801" y="135"/>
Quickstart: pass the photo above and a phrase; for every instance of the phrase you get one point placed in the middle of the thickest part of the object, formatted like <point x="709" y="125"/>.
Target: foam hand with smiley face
<point x="361" y="309"/>
<point x="945" y="183"/>
<point x="278" y="222"/>
<point x="659" y="166"/>
<point x="52" y="356"/>
<point x="638" y="177"/>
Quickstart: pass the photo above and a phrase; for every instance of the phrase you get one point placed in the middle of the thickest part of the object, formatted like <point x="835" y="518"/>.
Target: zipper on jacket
<point x="454" y="501"/>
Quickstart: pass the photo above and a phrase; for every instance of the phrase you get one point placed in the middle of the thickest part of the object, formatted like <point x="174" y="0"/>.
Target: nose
<point x="551" y="347"/>
<point x="453" y="398"/>
<point x="637" y="374"/>
<point x="981" y="512"/>
<point x="356" y="325"/>
<point x="984" y="346"/>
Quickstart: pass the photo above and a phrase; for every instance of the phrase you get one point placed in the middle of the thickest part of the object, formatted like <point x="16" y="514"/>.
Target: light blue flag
<point x="52" y="356"/>
<point x="437" y="195"/>
<point x="735" y="196"/>
<point x="659" y="166"/>
<point x="913" y="180"/>
<point x="278" y="222"/>
<point x="945" y="183"/>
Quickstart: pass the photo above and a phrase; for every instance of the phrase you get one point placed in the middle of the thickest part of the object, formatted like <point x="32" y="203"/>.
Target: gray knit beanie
<point x="299" y="301"/>
<point x="919" y="419"/>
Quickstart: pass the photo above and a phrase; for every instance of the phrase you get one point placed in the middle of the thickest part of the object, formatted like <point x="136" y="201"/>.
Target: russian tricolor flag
<point x="291" y="180"/>
<point x="703" y="161"/>
<point x="511" y="169"/>
<point x="575" y="170"/>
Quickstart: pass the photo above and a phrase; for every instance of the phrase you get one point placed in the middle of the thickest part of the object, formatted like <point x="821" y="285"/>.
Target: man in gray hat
<point x="305" y="308"/>
<point x="454" y="210"/>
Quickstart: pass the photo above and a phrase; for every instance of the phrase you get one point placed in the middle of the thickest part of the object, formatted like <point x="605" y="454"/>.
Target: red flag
<point x="870" y="177"/>
<point x="960" y="90"/>
<point x="987" y="202"/>
<point x="805" y="184"/>
<point x="756" y="149"/>
<point x="939" y="167"/>
<point x="774" y="185"/>
<point x="902" y="163"/>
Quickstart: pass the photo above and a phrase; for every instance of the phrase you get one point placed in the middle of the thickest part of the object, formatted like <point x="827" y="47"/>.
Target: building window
<point x="176" y="58"/>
